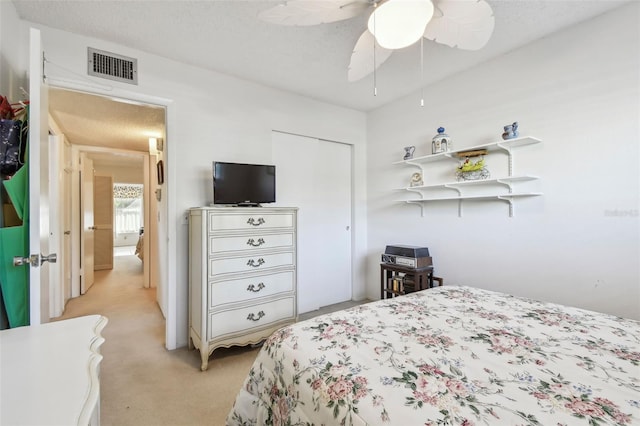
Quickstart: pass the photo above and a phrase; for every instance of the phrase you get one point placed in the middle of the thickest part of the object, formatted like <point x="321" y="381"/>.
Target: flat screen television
<point x="243" y="184"/>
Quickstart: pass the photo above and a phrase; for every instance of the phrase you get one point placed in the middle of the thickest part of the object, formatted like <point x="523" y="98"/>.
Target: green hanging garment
<point x="14" y="241"/>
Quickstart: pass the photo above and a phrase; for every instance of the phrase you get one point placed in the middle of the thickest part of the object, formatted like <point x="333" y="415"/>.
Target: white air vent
<point x="112" y="66"/>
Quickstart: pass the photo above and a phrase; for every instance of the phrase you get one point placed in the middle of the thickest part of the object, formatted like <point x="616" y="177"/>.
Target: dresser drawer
<point x="247" y="289"/>
<point x="255" y="263"/>
<point x="220" y="244"/>
<point x="250" y="317"/>
<point x="259" y="220"/>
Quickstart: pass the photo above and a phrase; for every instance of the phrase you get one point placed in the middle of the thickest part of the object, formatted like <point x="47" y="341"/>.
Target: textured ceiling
<point x="227" y="37"/>
<point x="104" y="122"/>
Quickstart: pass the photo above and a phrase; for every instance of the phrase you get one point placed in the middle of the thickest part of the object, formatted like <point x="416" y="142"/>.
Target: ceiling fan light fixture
<point x="400" y="23"/>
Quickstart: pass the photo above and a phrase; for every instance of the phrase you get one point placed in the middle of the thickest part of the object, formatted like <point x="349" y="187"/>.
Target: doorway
<point x="128" y="213"/>
<point x="114" y="135"/>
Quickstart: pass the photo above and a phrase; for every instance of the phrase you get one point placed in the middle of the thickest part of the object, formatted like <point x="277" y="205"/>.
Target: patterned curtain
<point x="127" y="190"/>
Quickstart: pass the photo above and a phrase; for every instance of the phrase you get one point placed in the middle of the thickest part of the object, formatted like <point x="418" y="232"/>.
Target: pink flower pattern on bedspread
<point x="447" y="356"/>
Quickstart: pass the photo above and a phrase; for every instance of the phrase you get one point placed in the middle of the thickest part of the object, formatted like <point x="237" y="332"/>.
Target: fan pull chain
<point x="422" y="71"/>
<point x="375" y="82"/>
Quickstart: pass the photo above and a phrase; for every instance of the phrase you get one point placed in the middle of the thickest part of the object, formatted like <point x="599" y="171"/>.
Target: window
<point x="127" y="206"/>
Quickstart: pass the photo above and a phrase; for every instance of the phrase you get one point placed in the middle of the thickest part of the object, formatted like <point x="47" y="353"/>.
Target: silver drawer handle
<point x="254" y="289"/>
<point x="253" y="317"/>
<point x="254" y="222"/>
<point x="253" y="263"/>
<point x="253" y="243"/>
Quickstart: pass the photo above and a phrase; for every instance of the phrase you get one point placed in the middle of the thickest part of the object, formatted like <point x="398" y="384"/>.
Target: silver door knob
<point x="52" y="258"/>
<point x="19" y="261"/>
<point x="35" y="259"/>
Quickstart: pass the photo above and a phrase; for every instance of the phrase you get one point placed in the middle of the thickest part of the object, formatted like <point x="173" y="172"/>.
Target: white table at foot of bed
<point x="49" y="373"/>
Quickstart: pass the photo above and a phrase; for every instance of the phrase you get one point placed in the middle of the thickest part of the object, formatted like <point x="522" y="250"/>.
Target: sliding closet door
<point x="315" y="176"/>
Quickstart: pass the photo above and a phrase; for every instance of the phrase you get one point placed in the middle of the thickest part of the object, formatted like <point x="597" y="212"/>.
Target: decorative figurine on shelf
<point x="510" y="131"/>
<point x="472" y="170"/>
<point x="440" y="142"/>
<point x="408" y="152"/>
<point x="416" y="179"/>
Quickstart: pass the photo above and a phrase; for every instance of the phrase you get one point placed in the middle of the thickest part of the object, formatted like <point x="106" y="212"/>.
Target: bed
<point x="140" y="247"/>
<point x="447" y="356"/>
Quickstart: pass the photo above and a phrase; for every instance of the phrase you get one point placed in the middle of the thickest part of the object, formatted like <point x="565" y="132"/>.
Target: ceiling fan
<point x="393" y="24"/>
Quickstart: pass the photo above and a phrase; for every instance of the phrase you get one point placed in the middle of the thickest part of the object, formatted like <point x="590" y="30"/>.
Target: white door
<point x="56" y="224"/>
<point x="66" y="202"/>
<point x="103" y="222"/>
<point x="38" y="182"/>
<point x="87" y="224"/>
<point x="315" y="176"/>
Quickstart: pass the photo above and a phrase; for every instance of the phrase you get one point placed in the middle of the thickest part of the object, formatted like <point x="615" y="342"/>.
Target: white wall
<point x="578" y="244"/>
<point x="11" y="77"/>
<point x="211" y="116"/>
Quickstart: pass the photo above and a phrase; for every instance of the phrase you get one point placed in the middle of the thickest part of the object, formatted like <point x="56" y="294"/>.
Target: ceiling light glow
<point x="400" y="23"/>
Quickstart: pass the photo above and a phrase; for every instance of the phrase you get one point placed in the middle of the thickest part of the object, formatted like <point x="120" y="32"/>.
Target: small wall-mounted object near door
<point x="155" y="145"/>
<point x="160" y="167"/>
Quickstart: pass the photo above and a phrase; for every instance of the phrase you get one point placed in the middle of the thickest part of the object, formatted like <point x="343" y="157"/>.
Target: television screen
<point x="243" y="184"/>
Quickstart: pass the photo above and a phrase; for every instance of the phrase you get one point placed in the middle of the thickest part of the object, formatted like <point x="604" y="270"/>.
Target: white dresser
<point x="242" y="275"/>
<point x="50" y="373"/>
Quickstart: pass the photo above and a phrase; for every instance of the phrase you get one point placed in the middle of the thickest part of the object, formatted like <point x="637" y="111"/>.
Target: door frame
<point x="166" y="208"/>
<point x="76" y="232"/>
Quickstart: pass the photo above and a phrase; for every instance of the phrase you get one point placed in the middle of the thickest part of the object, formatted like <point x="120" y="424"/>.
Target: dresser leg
<point x="205" y="360"/>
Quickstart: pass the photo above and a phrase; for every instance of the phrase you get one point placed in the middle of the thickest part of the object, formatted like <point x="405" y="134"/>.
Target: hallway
<point x="141" y="382"/>
<point x="118" y="293"/>
<point x="134" y="335"/>
<point x="124" y="250"/>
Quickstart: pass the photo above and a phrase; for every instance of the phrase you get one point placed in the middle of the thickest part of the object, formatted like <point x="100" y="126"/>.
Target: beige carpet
<point x="141" y="382"/>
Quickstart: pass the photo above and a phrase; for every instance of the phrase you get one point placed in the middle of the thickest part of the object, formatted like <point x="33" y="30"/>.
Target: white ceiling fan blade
<point x="466" y="24"/>
<point x="313" y="12"/>
<point x="361" y="64"/>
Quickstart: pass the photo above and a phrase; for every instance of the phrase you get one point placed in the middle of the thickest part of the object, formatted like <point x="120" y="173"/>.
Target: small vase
<point x="408" y="152"/>
<point x="440" y="142"/>
<point x="510" y="131"/>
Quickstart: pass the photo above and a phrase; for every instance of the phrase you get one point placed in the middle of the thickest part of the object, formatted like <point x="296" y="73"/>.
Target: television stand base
<point x="248" y="205"/>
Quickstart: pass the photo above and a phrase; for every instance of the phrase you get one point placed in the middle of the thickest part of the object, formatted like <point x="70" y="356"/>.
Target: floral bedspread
<point x="447" y="356"/>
